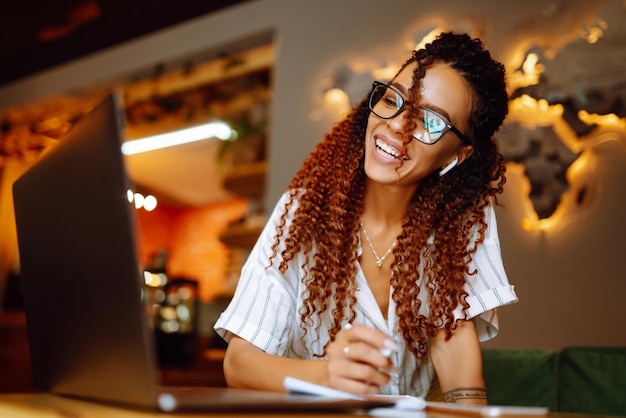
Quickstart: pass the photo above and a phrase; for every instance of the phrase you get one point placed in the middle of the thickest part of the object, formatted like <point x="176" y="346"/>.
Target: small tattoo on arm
<point x="464" y="393"/>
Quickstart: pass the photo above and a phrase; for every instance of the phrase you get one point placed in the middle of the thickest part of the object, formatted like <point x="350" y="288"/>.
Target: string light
<point x="148" y="203"/>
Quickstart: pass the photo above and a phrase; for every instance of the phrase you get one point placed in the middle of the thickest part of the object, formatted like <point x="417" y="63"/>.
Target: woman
<point x="380" y="269"/>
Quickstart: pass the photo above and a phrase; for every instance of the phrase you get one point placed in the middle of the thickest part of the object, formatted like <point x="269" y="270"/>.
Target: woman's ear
<point x="450" y="166"/>
<point x="464" y="153"/>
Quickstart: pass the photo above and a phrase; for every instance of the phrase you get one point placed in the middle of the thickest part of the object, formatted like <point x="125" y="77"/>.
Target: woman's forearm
<point x="458" y="363"/>
<point x="247" y="366"/>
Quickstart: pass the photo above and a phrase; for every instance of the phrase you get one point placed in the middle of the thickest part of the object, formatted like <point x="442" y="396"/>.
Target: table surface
<point x="43" y="405"/>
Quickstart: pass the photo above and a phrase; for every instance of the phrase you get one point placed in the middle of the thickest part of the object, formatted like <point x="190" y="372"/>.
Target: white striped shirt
<point x="266" y="305"/>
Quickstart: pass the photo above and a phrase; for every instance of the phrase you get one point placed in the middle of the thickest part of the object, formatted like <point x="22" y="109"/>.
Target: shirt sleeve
<point x="488" y="288"/>
<point x="263" y="306"/>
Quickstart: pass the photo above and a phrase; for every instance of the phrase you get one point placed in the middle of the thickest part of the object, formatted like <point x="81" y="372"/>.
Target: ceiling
<point x="43" y="34"/>
<point x="46" y="34"/>
<point x="194" y="174"/>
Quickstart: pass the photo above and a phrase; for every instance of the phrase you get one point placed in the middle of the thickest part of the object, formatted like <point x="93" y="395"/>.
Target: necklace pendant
<point x="379" y="260"/>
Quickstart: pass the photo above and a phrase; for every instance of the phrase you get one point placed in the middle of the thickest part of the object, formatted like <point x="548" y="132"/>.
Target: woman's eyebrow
<point x="400" y="88"/>
<point x="436" y="109"/>
<point x="429" y="106"/>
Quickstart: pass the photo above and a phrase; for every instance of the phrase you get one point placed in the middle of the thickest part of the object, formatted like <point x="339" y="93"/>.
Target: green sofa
<point x="574" y="380"/>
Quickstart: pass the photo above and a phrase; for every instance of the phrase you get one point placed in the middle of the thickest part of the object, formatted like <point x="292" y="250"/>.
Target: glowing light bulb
<point x="138" y="200"/>
<point x="150" y="203"/>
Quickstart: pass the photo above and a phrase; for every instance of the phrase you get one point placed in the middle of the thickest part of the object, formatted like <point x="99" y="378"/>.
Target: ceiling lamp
<point x="217" y="129"/>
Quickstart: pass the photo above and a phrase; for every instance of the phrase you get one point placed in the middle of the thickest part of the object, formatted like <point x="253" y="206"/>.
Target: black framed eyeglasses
<point x="386" y="102"/>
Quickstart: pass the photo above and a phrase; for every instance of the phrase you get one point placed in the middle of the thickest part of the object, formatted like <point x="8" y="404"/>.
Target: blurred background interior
<point x="280" y="73"/>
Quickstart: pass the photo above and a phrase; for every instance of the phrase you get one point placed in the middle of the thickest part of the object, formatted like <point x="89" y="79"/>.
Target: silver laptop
<point x="84" y="290"/>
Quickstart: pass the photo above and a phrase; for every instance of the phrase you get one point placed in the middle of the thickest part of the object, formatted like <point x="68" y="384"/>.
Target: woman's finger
<point x="367" y="379"/>
<point x="371" y="336"/>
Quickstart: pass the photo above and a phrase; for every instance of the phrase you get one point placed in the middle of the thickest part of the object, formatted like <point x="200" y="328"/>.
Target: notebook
<point x="84" y="289"/>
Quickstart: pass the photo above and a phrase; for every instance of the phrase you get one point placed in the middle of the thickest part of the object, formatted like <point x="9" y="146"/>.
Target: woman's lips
<point x="388" y="151"/>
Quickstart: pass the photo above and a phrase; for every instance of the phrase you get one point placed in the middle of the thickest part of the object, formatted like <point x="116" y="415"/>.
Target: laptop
<point x="84" y="289"/>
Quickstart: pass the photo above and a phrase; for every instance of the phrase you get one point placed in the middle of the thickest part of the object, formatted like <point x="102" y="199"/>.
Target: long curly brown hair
<point x="329" y="189"/>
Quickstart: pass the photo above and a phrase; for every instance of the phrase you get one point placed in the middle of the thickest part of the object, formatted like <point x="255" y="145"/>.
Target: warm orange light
<point x="154" y="279"/>
<point x="609" y="121"/>
<point x="531" y="113"/>
<point x="527" y="224"/>
<point x="336" y="98"/>
<point x="596" y="32"/>
<point x="529" y="75"/>
<point x="429" y="37"/>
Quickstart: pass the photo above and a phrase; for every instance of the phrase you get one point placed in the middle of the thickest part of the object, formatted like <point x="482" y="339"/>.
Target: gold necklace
<point x="379" y="260"/>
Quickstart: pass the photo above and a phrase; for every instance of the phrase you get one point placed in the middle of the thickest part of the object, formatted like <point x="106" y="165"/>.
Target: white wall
<point x="570" y="282"/>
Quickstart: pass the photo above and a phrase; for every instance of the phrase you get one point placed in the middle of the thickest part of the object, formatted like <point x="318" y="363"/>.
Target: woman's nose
<point x="397" y="123"/>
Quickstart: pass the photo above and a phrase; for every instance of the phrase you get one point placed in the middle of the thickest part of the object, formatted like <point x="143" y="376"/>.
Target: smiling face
<point x="388" y="160"/>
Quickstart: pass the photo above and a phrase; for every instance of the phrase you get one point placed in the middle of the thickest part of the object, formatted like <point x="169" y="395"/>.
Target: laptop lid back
<point x="83" y="286"/>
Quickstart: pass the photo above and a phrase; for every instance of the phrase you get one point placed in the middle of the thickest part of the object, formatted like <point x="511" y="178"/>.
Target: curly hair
<point x="436" y="243"/>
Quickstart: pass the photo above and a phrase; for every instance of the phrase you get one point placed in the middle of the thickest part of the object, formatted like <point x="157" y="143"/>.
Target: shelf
<point x="247" y="180"/>
<point x="241" y="235"/>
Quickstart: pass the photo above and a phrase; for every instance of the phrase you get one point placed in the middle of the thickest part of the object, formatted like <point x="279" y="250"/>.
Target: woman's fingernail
<point x="389" y="347"/>
<point x="386" y="352"/>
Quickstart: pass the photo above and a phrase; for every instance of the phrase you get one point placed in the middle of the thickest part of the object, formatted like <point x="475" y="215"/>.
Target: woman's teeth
<point x="386" y="150"/>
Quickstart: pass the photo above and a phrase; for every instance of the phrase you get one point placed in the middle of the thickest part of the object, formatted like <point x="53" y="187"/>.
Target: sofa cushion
<point x="525" y="377"/>
<point x="593" y="380"/>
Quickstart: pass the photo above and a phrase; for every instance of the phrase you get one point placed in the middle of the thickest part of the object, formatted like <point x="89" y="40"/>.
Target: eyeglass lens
<point x="387" y="103"/>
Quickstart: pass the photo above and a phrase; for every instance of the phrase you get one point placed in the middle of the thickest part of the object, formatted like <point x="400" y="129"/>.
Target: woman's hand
<point x="359" y="360"/>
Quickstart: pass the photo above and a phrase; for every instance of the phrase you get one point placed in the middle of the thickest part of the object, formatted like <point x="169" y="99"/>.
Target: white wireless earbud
<point x="449" y="166"/>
